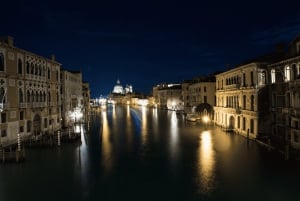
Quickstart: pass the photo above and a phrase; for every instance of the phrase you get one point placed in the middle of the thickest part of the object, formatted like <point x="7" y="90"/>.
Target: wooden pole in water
<point x="19" y="142"/>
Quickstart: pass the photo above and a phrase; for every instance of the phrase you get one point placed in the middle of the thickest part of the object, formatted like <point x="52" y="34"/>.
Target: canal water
<point x="148" y="154"/>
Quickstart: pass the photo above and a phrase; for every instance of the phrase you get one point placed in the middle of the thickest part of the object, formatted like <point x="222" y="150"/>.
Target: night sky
<point x="145" y="43"/>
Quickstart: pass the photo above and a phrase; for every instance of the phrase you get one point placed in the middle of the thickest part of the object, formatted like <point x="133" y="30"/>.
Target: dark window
<point x="1" y="62"/>
<point x="244" y="123"/>
<point x="28" y="97"/>
<point x="251" y="126"/>
<point x="3" y="133"/>
<point x="239" y="123"/>
<point x="21" y="98"/>
<point x="22" y="115"/>
<point x="48" y="73"/>
<point x="252" y="102"/>
<point x="3" y="117"/>
<point x="21" y="129"/>
<point x="20" y="66"/>
<point x="28" y="126"/>
<point x="27" y="67"/>
<point x="244" y="79"/>
<point x="46" y="122"/>
<point x="252" y="78"/>
<point x="296" y="125"/>
<point x="244" y="102"/>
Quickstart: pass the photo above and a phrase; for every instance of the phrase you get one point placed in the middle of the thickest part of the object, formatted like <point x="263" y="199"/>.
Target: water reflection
<point x="106" y="144"/>
<point x="206" y="162"/>
<point x="144" y="125"/>
<point x="174" y="136"/>
<point x="129" y="129"/>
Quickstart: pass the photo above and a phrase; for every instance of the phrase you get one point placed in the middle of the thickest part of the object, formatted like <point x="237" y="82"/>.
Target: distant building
<point x="118" y="88"/>
<point x="86" y="97"/>
<point x="168" y="96"/>
<point x="72" y="99"/>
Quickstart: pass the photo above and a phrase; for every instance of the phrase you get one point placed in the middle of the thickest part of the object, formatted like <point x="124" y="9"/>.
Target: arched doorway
<point x="37" y="124"/>
<point x="231" y="122"/>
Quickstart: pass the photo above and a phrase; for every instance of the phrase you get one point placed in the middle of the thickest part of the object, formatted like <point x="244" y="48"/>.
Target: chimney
<point x="10" y="41"/>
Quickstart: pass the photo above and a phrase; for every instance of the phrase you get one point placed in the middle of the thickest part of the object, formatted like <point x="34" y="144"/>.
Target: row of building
<point x="37" y="96"/>
<point x="259" y="99"/>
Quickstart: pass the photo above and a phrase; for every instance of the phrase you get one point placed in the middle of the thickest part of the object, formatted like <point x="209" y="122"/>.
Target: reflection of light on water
<point x="206" y="162"/>
<point x="174" y="134"/>
<point x="128" y="128"/>
<point x="106" y="144"/>
<point x="144" y="125"/>
<point x="155" y="120"/>
<point x="128" y="111"/>
<point x="114" y="112"/>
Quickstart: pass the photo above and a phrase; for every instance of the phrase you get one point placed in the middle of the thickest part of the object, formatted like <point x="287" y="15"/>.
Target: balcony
<point x="232" y="87"/>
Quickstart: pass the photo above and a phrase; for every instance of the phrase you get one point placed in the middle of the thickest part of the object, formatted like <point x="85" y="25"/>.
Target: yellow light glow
<point x="206" y="160"/>
<point x="205" y="119"/>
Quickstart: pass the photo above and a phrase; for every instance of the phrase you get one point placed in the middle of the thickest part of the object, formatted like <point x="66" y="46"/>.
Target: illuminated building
<point x="118" y="88"/>
<point x="198" y="91"/>
<point x="168" y="96"/>
<point x="86" y="100"/>
<point x="241" y="98"/>
<point x="29" y="93"/>
<point x="72" y="99"/>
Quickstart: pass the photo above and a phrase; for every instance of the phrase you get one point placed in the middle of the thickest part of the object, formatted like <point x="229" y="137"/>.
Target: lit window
<point x="287" y="73"/>
<point x="273" y="76"/>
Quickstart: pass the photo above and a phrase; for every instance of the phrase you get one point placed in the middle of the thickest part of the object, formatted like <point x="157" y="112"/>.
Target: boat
<point x="192" y="117"/>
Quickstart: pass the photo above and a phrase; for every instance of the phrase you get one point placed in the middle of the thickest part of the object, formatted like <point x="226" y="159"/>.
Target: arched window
<point x="2" y="95"/>
<point x="44" y="97"/>
<point x="41" y="97"/>
<point x="273" y="76"/>
<point x="36" y="96"/>
<point x="28" y="97"/>
<point x="48" y="73"/>
<point x="20" y="66"/>
<point x="20" y="96"/>
<point x="49" y="97"/>
<point x="32" y="69"/>
<point x="36" y="69"/>
<point x="287" y="73"/>
<point x="32" y="96"/>
<point x="27" y="67"/>
<point x="1" y="61"/>
<point x="40" y="71"/>
<point x="252" y="102"/>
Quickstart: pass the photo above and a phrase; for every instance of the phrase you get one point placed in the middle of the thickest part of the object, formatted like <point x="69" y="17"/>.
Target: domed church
<point x="118" y="88"/>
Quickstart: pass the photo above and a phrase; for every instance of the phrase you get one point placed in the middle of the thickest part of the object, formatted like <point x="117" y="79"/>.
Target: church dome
<point x="118" y="88"/>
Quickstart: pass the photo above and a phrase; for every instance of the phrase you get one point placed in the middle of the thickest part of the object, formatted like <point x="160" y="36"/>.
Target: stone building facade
<point x="241" y="100"/>
<point x="29" y="93"/>
<point x="72" y="99"/>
